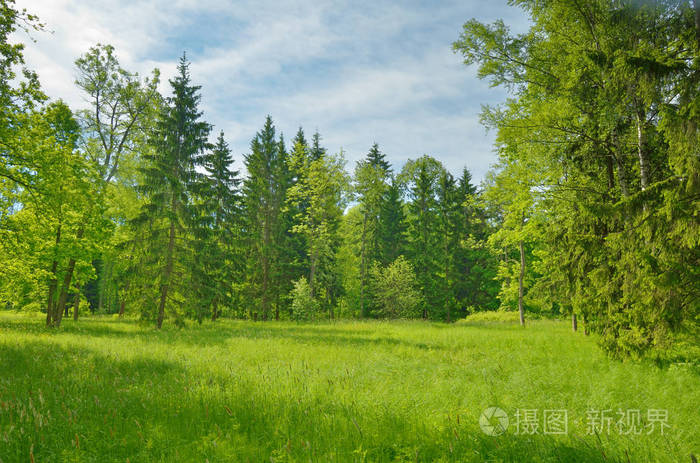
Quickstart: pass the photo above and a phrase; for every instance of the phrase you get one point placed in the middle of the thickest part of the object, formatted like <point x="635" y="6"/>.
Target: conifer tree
<point x="179" y="138"/>
<point x="378" y="159"/>
<point x="420" y="178"/>
<point x="392" y="226"/>
<point x="219" y="253"/>
<point x="371" y="175"/>
<point x="264" y="193"/>
<point x="449" y="238"/>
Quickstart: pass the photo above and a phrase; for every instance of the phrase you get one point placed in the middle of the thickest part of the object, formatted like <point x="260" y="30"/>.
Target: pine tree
<point x="179" y="137"/>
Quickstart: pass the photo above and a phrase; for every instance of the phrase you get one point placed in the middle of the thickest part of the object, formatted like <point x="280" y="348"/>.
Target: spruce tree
<point x="299" y="158"/>
<point x="220" y="221"/>
<point x="179" y="137"/>
<point x="420" y="177"/>
<point x="392" y="226"/>
<point x="378" y="159"/>
<point x="448" y="233"/>
<point x="371" y="176"/>
<point x="264" y="190"/>
<point x="316" y="151"/>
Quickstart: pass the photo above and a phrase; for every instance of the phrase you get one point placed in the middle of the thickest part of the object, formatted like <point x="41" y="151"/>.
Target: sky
<point x="357" y="71"/>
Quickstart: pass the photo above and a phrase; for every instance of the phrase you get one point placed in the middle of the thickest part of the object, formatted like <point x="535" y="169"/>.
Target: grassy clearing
<point x="106" y="390"/>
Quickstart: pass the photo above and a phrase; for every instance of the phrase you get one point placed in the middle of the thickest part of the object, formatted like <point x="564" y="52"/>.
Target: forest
<point x="134" y="206"/>
<point x="160" y="301"/>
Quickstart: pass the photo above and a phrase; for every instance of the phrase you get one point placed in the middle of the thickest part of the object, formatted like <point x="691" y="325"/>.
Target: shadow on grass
<point x="213" y="333"/>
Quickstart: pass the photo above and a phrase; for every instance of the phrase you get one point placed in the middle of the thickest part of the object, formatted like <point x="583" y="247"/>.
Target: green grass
<point x="105" y="390"/>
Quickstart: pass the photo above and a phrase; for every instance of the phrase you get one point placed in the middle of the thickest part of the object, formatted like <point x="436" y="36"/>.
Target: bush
<point x="395" y="290"/>
<point x="497" y="316"/>
<point x="304" y="307"/>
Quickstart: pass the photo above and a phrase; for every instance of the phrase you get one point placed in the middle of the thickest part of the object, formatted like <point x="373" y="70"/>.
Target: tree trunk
<point x="520" y="283"/>
<point x="696" y="3"/>
<point x="166" y="274"/>
<point x="585" y="325"/>
<point x="76" y="303"/>
<point x="363" y="266"/>
<point x="53" y="284"/>
<point x="574" y="323"/>
<point x="447" y="282"/>
<point x="265" y="301"/>
<point x="312" y="273"/>
<point x="642" y="150"/>
<point x="63" y="298"/>
<point x="277" y="303"/>
<point x="123" y="302"/>
<point x="266" y="270"/>
<point x="620" y="166"/>
<point x="611" y="172"/>
<point x="330" y="308"/>
<point x="100" y="291"/>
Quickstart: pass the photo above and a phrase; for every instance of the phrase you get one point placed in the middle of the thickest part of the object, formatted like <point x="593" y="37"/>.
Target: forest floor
<point x="108" y="390"/>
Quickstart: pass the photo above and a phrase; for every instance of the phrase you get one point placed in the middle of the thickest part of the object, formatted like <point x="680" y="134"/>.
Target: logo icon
<point x="493" y="421"/>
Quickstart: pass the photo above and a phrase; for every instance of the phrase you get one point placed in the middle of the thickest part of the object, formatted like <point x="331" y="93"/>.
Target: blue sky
<point x="356" y="71"/>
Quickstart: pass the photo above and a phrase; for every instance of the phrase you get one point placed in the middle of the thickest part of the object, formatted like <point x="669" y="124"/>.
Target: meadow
<point x="109" y="390"/>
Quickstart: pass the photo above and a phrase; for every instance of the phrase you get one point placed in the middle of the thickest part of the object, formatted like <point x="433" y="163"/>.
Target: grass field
<point x="105" y="390"/>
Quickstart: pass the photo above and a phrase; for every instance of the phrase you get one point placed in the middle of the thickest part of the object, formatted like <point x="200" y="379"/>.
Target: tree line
<point x="134" y="205"/>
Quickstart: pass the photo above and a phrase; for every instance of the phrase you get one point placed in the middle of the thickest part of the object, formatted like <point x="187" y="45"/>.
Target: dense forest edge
<point x="133" y="205"/>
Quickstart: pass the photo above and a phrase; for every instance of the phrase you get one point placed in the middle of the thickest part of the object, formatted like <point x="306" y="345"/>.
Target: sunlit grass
<point x="108" y="390"/>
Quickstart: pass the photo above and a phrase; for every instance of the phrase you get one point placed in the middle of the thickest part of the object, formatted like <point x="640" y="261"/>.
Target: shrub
<point x="395" y="290"/>
<point x="304" y="306"/>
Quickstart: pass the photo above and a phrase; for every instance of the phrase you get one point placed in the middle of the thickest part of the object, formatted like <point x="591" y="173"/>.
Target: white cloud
<point x="358" y="71"/>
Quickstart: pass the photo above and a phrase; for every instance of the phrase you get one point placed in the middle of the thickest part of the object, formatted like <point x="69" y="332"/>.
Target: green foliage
<point x="304" y="306"/>
<point x="391" y="226"/>
<point x="595" y="179"/>
<point x="395" y="290"/>
<point x="319" y="196"/>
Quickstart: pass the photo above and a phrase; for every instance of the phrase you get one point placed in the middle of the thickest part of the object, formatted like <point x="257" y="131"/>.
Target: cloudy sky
<point x="357" y="71"/>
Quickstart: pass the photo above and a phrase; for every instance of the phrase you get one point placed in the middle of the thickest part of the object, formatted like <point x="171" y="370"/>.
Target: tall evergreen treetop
<point x="222" y="179"/>
<point x="317" y="151"/>
<point x="466" y="187"/>
<point x="299" y="155"/>
<point x="378" y="159"/>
